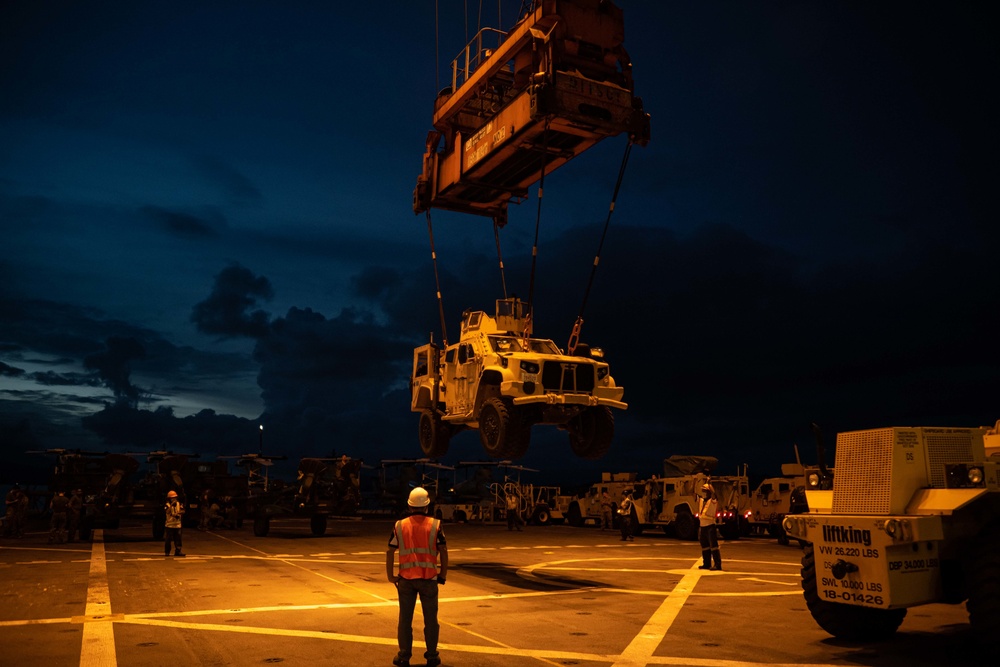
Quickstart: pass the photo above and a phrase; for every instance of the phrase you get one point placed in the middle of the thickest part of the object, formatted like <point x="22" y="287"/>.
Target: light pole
<point x="261" y="446"/>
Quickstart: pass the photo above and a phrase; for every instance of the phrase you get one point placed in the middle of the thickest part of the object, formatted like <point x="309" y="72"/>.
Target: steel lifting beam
<point x="557" y="84"/>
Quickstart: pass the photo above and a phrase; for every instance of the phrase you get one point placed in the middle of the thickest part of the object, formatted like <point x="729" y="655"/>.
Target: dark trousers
<point x="171" y="535"/>
<point x="409" y="590"/>
<point x="709" y="538"/>
<point x="625" y="523"/>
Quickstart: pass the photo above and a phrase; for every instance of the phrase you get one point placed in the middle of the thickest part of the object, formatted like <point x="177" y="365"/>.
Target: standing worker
<point x="175" y="512"/>
<point x="708" y="533"/>
<point x="420" y="540"/>
<point x="513" y="517"/>
<point x="57" y="524"/>
<point x="625" y="516"/>
<point x="606" y="506"/>
<point x="12" y="523"/>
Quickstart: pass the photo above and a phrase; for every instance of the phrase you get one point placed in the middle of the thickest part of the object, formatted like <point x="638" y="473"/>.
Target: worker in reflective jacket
<point x="421" y="543"/>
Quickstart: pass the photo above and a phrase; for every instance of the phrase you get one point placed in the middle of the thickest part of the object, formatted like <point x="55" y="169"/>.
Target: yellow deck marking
<point x="98" y="647"/>
<point x="98" y="620"/>
<point x="644" y="644"/>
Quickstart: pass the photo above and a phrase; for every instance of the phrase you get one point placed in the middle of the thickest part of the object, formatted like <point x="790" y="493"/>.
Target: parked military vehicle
<point x="324" y="487"/>
<point x="103" y="478"/>
<point x="586" y="509"/>
<point x="669" y="502"/>
<point x="913" y="518"/>
<point x="396" y="478"/>
<point x="501" y="381"/>
<point x="777" y="497"/>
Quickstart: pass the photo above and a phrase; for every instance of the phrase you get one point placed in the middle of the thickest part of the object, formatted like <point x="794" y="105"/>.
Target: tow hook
<point x="842" y="568"/>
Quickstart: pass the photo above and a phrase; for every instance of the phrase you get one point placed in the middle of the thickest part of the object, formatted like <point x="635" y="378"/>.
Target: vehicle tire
<point x="318" y="525"/>
<point x="494" y="422"/>
<point x="434" y="434"/>
<point x="261" y="526"/>
<point x="859" y="624"/>
<point x="686" y="526"/>
<point x="984" y="583"/>
<point x="541" y="517"/>
<point x="573" y="515"/>
<point x="591" y="432"/>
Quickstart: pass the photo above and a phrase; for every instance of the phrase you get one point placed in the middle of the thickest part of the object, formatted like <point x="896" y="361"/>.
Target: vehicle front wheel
<point x="261" y="526"/>
<point x="844" y="621"/>
<point x="574" y="516"/>
<point x="318" y="525"/>
<point x="984" y="583"/>
<point x="685" y="526"/>
<point x="434" y="434"/>
<point x="494" y="422"/>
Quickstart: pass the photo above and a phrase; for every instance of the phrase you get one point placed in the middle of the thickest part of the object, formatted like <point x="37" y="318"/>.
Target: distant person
<point x="607" y="507"/>
<point x="420" y="541"/>
<point x="73" y="511"/>
<point x="14" y="517"/>
<point x="514" y="519"/>
<point x="625" y="516"/>
<point x="708" y="532"/>
<point x="204" y="505"/>
<point x="172" y="532"/>
<point x="57" y="524"/>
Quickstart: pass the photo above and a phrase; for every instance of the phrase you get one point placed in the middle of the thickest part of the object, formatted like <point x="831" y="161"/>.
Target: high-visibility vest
<point x="417" y="539"/>
<point x="708" y="511"/>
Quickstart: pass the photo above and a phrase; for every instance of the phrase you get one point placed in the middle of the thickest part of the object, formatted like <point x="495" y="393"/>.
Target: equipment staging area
<point x="553" y="595"/>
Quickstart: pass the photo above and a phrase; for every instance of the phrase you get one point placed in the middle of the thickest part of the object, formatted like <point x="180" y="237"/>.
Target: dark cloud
<point x="114" y="366"/>
<point x="66" y="379"/>
<point x="185" y="224"/>
<point x="225" y="311"/>
<point x="6" y="369"/>
<point x="124" y="426"/>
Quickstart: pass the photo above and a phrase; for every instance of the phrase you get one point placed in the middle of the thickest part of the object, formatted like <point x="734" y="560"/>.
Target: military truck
<point x="671" y="501"/>
<point x="501" y="381"/>
<point x="913" y="518"/>
<point x="324" y="487"/>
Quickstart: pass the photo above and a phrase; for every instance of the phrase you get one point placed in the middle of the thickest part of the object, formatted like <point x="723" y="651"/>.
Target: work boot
<point x="401" y="662"/>
<point x="433" y="662"/>
<point x="179" y="554"/>
<point x="718" y="563"/>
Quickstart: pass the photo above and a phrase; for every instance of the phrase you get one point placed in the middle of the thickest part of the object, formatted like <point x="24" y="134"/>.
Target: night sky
<point x="207" y="226"/>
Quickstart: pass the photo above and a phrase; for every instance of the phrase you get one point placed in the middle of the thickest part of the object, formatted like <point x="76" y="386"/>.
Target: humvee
<point x="501" y="381"/>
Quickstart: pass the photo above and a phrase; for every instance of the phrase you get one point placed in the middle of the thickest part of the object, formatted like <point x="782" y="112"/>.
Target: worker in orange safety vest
<point x="421" y="543"/>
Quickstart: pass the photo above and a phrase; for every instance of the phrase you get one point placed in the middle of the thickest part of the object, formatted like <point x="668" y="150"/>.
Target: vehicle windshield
<point x="513" y="344"/>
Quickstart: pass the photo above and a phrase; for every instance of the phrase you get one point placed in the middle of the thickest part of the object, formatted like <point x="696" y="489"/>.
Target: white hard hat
<point x="418" y="498"/>
<point x="706" y="487"/>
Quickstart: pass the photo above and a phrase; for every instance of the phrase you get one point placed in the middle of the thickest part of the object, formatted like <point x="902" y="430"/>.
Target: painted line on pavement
<point x="98" y="647"/>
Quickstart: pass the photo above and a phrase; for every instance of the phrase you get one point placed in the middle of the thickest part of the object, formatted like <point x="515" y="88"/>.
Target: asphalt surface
<point x="553" y="595"/>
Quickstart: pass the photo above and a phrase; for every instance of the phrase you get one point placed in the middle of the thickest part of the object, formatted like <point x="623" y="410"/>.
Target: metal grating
<point x="863" y="472"/>
<point x="947" y="448"/>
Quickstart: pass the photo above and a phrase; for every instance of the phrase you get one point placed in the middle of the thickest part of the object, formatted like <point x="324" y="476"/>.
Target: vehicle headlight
<point x="529" y="367"/>
<point x="602" y="372"/>
<point x="504" y="361"/>
<point x="975" y="476"/>
<point x="813" y="479"/>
